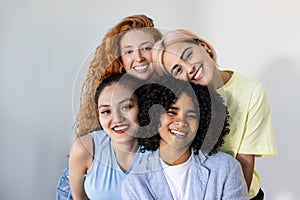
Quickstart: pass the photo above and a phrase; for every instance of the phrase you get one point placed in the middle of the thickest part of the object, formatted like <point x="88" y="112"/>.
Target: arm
<point x="81" y="157"/>
<point x="247" y="163"/>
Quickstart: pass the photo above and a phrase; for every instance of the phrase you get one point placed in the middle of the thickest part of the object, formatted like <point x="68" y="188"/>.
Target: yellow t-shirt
<point x="251" y="128"/>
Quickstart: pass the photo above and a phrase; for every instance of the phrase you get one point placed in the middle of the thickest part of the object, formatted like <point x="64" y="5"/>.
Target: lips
<point x="120" y="128"/>
<point x="141" y="68"/>
<point x="198" y="73"/>
<point x="177" y="133"/>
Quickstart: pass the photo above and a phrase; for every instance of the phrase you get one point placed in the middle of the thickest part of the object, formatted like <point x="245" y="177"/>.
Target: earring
<point x="210" y="53"/>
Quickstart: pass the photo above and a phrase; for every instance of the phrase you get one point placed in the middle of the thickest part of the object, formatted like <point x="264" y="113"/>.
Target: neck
<point x="173" y="156"/>
<point x="125" y="153"/>
<point x="220" y="78"/>
<point x="225" y="76"/>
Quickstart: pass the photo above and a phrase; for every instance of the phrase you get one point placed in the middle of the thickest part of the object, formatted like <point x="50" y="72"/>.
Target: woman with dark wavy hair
<point x="185" y="125"/>
<point x="100" y="160"/>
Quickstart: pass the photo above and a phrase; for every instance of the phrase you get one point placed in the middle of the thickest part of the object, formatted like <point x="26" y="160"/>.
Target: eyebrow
<point x="174" y="108"/>
<point x="193" y="111"/>
<point x="124" y="100"/>
<point x="184" y="51"/>
<point x="103" y="106"/>
<point x="143" y="43"/>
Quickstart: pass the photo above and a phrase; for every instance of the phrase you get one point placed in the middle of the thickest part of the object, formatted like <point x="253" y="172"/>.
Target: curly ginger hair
<point x="106" y="61"/>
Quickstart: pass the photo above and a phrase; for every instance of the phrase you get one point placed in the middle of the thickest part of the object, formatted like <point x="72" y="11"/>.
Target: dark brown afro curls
<point x="156" y="97"/>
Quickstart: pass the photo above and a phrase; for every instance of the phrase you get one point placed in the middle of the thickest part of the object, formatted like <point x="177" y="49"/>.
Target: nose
<point x="139" y="55"/>
<point x="181" y="122"/>
<point x="117" y="116"/>
<point x="189" y="69"/>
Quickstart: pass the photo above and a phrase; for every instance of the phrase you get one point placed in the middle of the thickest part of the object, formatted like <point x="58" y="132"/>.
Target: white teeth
<point x="142" y="67"/>
<point x="119" y="128"/>
<point x="177" y="133"/>
<point x="197" y="75"/>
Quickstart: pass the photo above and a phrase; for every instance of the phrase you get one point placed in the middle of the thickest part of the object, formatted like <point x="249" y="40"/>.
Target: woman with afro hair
<point x="184" y="124"/>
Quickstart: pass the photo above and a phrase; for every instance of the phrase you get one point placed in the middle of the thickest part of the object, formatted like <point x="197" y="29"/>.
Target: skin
<point x="117" y="116"/>
<point x="191" y="62"/>
<point x="136" y="46"/>
<point x="178" y="129"/>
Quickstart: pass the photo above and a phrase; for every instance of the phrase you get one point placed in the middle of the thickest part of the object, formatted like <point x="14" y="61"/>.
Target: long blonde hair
<point x="106" y="61"/>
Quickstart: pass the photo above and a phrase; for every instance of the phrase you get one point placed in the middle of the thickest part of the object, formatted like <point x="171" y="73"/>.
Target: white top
<point x="178" y="178"/>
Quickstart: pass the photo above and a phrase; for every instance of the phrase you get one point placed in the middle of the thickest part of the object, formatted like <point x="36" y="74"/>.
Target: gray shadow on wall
<point x="280" y="174"/>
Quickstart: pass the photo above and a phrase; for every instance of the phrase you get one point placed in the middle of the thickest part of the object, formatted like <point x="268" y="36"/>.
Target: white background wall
<point x="44" y="43"/>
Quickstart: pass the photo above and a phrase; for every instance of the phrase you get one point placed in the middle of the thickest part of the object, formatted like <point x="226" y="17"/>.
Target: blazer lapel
<point x="157" y="183"/>
<point x="199" y="177"/>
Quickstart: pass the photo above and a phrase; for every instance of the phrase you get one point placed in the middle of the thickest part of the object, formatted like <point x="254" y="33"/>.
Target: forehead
<point x="177" y="48"/>
<point x="174" y="51"/>
<point x="185" y="102"/>
<point x="136" y="37"/>
<point x="115" y="93"/>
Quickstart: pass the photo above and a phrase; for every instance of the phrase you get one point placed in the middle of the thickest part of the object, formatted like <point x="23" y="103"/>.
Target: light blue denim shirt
<point x="63" y="189"/>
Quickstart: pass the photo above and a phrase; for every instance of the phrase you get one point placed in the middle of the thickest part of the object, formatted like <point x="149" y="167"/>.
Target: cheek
<point x="194" y="126"/>
<point x="148" y="56"/>
<point x="126" y="62"/>
<point x="133" y="115"/>
<point x="162" y="123"/>
<point x="103" y="121"/>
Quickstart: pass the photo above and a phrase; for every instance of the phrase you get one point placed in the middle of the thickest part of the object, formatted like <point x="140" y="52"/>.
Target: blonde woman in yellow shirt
<point x="185" y="55"/>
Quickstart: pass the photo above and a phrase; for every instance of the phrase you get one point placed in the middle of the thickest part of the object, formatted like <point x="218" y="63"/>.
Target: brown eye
<point x="147" y="49"/>
<point x="126" y="107"/>
<point x="176" y="70"/>
<point x="189" y="56"/>
<point x="128" y="52"/>
<point x="192" y="116"/>
<point x="105" y="112"/>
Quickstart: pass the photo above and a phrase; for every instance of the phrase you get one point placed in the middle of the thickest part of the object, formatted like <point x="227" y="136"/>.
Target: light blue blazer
<point x="218" y="176"/>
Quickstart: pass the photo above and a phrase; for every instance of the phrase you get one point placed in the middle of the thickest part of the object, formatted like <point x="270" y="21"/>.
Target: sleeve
<point x="235" y="187"/>
<point x="63" y="189"/>
<point x="259" y="136"/>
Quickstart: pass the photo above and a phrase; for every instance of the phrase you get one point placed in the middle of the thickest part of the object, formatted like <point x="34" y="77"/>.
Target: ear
<point x="207" y="48"/>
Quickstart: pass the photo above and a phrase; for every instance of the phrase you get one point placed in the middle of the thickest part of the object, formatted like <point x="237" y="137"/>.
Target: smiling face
<point x="136" y="55"/>
<point x="118" y="111"/>
<point x="189" y="61"/>
<point x="179" y="124"/>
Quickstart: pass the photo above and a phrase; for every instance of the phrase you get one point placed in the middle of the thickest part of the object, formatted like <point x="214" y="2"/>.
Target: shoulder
<point x="214" y="161"/>
<point x="243" y="81"/>
<point x="82" y="146"/>
<point x="241" y="87"/>
<point x="99" y="136"/>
